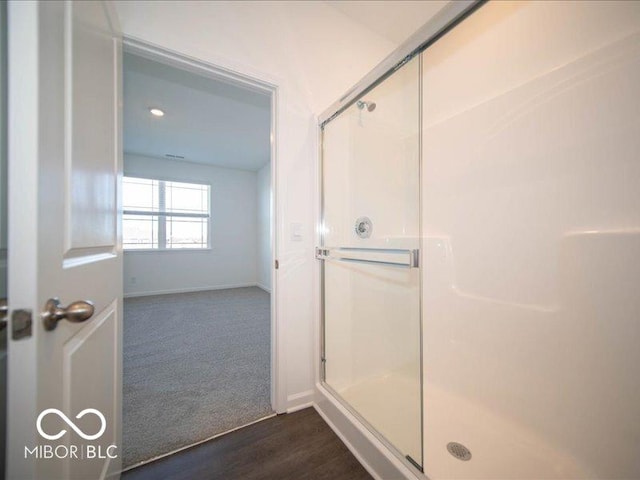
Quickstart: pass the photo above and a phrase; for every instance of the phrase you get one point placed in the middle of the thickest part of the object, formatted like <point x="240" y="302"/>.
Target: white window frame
<point x="162" y="215"/>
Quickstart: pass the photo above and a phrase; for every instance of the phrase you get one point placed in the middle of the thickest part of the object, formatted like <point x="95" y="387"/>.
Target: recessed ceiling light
<point x="156" y="112"/>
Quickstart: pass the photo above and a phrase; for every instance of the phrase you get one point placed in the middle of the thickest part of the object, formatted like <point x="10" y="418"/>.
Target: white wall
<point x="3" y="154"/>
<point x="3" y="222"/>
<point x="263" y="191"/>
<point x="314" y="54"/>
<point x="232" y="259"/>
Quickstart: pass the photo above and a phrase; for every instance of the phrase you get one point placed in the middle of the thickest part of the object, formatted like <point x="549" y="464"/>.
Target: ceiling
<point x="206" y="121"/>
<point x="213" y="122"/>
<point x="395" y="20"/>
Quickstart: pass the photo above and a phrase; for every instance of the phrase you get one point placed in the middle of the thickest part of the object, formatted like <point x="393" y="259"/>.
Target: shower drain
<point x="459" y="451"/>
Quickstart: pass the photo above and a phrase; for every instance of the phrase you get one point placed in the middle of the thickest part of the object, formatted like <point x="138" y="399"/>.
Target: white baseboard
<point x="189" y="290"/>
<point x="301" y="400"/>
<point x="263" y="287"/>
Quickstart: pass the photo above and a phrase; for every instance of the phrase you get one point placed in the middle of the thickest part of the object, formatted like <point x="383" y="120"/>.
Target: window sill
<point x="167" y="250"/>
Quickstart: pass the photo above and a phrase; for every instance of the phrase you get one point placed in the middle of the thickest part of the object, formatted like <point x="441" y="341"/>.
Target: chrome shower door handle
<point x="75" y="312"/>
<point x="391" y="257"/>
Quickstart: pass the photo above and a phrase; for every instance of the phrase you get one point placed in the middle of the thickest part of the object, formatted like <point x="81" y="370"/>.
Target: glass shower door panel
<point x="371" y="239"/>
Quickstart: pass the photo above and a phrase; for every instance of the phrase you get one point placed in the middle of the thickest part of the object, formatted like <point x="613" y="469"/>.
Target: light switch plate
<point x="296" y="232"/>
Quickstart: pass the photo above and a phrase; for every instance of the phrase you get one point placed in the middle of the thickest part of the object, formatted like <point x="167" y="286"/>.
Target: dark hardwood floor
<point x="295" y="446"/>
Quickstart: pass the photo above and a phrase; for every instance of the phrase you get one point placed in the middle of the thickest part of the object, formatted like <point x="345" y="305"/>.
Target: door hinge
<point x="20" y="324"/>
<point x="277" y="264"/>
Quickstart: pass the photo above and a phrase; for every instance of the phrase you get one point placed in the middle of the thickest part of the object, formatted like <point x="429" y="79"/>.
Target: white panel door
<point x="65" y="162"/>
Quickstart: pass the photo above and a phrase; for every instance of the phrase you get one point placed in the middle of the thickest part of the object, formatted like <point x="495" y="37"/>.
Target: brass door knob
<point x="75" y="312"/>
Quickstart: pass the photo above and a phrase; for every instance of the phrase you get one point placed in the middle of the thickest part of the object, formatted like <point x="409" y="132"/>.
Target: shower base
<point x="390" y="403"/>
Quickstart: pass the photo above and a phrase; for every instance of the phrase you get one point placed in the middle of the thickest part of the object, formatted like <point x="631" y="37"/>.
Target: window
<point x="164" y="215"/>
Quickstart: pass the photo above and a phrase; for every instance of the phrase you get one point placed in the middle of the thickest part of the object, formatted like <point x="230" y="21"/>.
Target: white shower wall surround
<point x="530" y="252"/>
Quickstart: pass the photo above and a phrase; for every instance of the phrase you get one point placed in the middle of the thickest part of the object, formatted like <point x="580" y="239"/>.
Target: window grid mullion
<point x="162" y="219"/>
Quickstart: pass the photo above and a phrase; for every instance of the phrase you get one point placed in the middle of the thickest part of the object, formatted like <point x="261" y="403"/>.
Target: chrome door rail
<point x="394" y="257"/>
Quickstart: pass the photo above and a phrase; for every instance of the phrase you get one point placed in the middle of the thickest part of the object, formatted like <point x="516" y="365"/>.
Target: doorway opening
<point x="198" y="236"/>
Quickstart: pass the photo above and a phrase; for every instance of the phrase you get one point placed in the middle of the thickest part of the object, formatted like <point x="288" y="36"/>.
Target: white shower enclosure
<point x="480" y="248"/>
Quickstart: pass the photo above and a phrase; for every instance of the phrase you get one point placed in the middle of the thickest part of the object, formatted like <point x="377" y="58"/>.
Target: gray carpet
<point x="195" y="364"/>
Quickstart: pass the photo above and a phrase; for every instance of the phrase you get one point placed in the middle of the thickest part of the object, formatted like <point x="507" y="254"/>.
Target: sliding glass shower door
<point x="370" y="253"/>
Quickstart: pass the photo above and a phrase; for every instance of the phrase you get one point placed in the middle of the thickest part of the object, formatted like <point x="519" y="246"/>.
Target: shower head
<point x="371" y="106"/>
